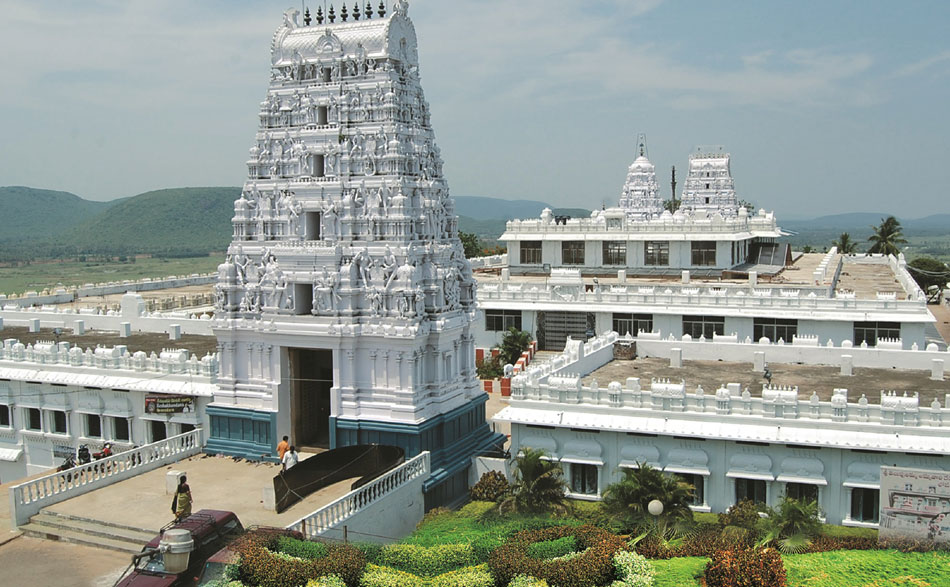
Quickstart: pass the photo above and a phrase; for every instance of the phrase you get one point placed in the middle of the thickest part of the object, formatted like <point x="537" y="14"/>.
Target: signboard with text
<point x="169" y="404"/>
<point x="915" y="504"/>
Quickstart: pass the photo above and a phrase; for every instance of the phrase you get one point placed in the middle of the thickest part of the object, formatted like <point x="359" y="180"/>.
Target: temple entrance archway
<point x="311" y="372"/>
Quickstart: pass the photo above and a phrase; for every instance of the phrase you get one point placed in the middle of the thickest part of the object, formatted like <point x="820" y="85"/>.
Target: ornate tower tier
<point x="709" y="186"/>
<point x="345" y="303"/>
<point x="641" y="195"/>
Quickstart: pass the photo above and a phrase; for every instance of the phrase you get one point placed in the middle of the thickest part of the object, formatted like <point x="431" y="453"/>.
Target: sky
<point x="826" y="106"/>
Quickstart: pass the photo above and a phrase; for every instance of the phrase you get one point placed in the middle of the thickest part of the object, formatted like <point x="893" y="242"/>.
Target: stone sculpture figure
<point x="363" y="264"/>
<point x="331" y="219"/>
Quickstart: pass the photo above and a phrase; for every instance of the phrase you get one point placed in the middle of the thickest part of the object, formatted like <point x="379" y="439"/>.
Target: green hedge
<point x="327" y="581"/>
<point x="633" y="570"/>
<point x="527" y="581"/>
<point x="474" y="576"/>
<point x="427" y="561"/>
<point x="593" y="567"/>
<point x="552" y="548"/>
<point x="300" y="548"/>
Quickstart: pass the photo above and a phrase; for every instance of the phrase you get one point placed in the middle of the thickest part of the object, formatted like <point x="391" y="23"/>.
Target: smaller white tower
<point x="709" y="185"/>
<point x="641" y="197"/>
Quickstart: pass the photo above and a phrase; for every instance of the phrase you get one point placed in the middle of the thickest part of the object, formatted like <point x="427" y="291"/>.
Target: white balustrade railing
<point x="28" y="498"/>
<point x="336" y="512"/>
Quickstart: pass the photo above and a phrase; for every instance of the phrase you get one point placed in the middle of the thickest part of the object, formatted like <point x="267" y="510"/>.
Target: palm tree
<point x="792" y="524"/>
<point x="626" y="500"/>
<point x="538" y="486"/>
<point x="886" y="237"/>
<point x="513" y="343"/>
<point x="845" y="245"/>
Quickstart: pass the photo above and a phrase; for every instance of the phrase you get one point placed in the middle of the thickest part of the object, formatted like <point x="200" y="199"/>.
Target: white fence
<point x="392" y="504"/>
<point x="489" y="261"/>
<point x="27" y="499"/>
<point x="578" y="357"/>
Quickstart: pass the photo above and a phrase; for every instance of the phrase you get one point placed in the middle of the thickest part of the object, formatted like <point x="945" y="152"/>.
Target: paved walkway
<point x="216" y="483"/>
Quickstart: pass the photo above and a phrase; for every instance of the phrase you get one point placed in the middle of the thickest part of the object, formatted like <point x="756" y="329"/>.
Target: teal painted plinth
<point x="239" y="432"/>
<point x="451" y="439"/>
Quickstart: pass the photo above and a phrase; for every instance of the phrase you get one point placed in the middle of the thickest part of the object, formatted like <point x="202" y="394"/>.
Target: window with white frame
<point x="615" y="252"/>
<point x="697" y="482"/>
<point x="706" y="326"/>
<point x="572" y="252"/>
<point x="57" y="422"/>
<point x="774" y="329"/>
<point x="33" y="420"/>
<point x="751" y="489"/>
<point x="869" y="332"/>
<point x="703" y="253"/>
<point x="92" y="425"/>
<point x="502" y="320"/>
<point x="4" y="415"/>
<point x="530" y="252"/>
<point x="656" y="253"/>
<point x="632" y="323"/>
<point x="584" y="479"/>
<point x="865" y="503"/>
<point x="120" y="429"/>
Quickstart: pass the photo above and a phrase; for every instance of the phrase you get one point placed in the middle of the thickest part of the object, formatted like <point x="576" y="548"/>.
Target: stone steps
<point x="54" y="526"/>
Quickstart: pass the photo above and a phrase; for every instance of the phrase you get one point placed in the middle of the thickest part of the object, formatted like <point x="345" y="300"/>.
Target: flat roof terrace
<point x="866" y="277"/>
<point x="147" y="342"/>
<point x="820" y="379"/>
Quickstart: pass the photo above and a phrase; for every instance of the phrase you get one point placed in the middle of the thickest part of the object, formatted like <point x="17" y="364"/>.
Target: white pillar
<point x="676" y="358"/>
<point x="1" y="322"/>
<point x="847" y="365"/>
<point x="758" y="361"/>
<point x="622" y="276"/>
<point x="753" y="278"/>
<point x="936" y="369"/>
<point x="34" y="324"/>
<point x="125" y="329"/>
<point x="79" y="327"/>
<point x="174" y="332"/>
<point x="685" y="277"/>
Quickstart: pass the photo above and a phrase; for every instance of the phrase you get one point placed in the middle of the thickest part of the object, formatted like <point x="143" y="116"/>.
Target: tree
<point x="626" y="500"/>
<point x="792" y="524"/>
<point x="845" y="245"/>
<point x="513" y="343"/>
<point x="928" y="271"/>
<point x="470" y="244"/>
<point x="887" y="236"/>
<point x="538" y="486"/>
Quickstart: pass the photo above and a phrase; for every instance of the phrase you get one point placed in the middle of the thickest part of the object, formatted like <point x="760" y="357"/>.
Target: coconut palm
<point x="626" y="501"/>
<point x="792" y="524"/>
<point x="538" y="486"/>
<point x="845" y="245"/>
<point x="887" y="236"/>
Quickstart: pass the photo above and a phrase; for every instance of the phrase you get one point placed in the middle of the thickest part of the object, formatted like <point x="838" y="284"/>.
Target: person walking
<point x="290" y="458"/>
<point x="181" y="503"/>
<point x="282" y="447"/>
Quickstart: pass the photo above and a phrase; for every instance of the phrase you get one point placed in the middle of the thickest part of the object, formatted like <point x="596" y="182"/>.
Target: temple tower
<point x="709" y="186"/>
<point x="641" y="194"/>
<point x="345" y="304"/>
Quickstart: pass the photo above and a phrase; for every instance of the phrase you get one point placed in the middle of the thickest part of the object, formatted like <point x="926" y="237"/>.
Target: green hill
<point x="172" y="222"/>
<point x="31" y="213"/>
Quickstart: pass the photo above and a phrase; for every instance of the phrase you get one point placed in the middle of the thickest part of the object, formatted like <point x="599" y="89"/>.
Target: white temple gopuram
<point x="345" y="304"/>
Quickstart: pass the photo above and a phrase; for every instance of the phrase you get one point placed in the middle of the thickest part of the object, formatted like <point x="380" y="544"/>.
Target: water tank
<point x="176" y="545"/>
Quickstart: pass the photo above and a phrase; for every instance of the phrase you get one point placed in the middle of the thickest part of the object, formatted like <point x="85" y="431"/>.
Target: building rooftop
<point x="822" y="380"/>
<point x="147" y="342"/>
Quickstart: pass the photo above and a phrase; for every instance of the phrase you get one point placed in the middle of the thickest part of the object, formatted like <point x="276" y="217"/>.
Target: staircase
<point x="55" y="526"/>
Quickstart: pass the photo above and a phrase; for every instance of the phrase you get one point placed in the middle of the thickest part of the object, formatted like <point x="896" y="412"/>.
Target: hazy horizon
<point x="825" y="108"/>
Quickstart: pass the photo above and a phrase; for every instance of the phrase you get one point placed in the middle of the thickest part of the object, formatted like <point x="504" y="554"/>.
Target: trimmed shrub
<point x="300" y="548"/>
<point x="753" y="567"/>
<point x="744" y="514"/>
<point x="427" y="561"/>
<point x="474" y="576"/>
<point x="633" y="569"/>
<point x="260" y="566"/>
<point x="371" y="550"/>
<point x="552" y="548"/>
<point x="527" y="581"/>
<point x="327" y="581"/>
<point x="593" y="567"/>
<point x="490" y="487"/>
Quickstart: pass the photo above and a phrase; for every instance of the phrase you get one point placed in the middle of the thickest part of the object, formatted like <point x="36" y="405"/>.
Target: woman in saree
<point x="181" y="505"/>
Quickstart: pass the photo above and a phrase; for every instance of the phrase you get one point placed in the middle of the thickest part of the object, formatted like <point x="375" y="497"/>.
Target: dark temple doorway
<point x="312" y="373"/>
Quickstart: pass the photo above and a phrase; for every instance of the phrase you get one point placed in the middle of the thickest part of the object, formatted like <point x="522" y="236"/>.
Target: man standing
<point x="282" y="448"/>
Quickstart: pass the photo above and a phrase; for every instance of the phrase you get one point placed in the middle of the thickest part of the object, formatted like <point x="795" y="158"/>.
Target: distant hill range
<point x="196" y="221"/>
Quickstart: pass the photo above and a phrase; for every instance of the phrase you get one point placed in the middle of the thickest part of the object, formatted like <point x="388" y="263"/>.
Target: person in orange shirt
<point x="282" y="448"/>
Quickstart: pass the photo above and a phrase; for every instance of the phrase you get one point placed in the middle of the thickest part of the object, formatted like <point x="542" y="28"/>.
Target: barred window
<point x="615" y="253"/>
<point x="4" y="415"/>
<point x="584" y="479"/>
<point x="869" y="332"/>
<point x="632" y="323"/>
<point x="703" y="253"/>
<point x="530" y="252"/>
<point x="33" y="421"/>
<point x="706" y="326"/>
<point x="656" y="253"/>
<point x="57" y="421"/>
<point x="774" y="329"/>
<point x="502" y="320"/>
<point x="572" y="252"/>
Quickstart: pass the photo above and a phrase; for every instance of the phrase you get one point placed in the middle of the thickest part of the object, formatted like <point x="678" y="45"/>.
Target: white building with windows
<point x="55" y="397"/>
